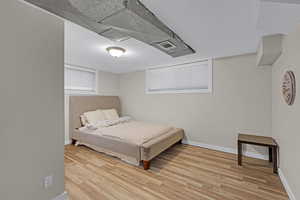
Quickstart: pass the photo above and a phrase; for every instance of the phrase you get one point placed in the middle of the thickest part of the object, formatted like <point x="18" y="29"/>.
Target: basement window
<point x="193" y="77"/>
<point x="80" y="80"/>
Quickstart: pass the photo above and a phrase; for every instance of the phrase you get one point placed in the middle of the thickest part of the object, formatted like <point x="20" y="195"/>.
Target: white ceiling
<point x="214" y="28"/>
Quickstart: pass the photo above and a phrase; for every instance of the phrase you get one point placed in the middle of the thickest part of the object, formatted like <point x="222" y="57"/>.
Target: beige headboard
<point x="81" y="104"/>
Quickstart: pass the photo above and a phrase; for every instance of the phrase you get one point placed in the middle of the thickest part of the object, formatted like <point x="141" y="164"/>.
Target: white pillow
<point x="93" y="117"/>
<point x="110" y="114"/>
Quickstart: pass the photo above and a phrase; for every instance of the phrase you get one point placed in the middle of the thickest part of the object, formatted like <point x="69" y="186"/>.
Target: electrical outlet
<point x="48" y="182"/>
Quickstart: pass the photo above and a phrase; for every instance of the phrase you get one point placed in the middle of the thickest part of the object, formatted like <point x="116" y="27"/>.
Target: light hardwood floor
<point x="181" y="173"/>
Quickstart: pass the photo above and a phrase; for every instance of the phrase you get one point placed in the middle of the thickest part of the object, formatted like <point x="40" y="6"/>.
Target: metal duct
<point x="119" y="20"/>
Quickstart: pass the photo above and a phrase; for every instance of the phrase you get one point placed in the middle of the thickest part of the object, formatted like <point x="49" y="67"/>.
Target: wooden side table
<point x="260" y="141"/>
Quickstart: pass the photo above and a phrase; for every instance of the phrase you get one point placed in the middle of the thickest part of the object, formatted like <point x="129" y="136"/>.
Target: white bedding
<point x="135" y="132"/>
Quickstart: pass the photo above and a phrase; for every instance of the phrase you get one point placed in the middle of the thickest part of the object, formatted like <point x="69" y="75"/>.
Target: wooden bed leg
<point x="73" y="142"/>
<point x="146" y="164"/>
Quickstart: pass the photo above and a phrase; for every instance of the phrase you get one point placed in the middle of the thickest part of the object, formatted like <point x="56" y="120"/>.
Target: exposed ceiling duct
<point x="119" y="20"/>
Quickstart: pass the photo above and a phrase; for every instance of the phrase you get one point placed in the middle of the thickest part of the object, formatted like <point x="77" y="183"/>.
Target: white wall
<point x="241" y="100"/>
<point x="108" y="84"/>
<point x="286" y="123"/>
<point x="31" y="87"/>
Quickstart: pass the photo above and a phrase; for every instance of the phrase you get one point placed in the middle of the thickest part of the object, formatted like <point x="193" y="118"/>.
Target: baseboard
<point x="225" y="149"/>
<point x="63" y="196"/>
<point x="286" y="185"/>
<point x="67" y="142"/>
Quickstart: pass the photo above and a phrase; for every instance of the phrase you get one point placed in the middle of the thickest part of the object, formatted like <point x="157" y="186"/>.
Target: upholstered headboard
<point x="81" y="104"/>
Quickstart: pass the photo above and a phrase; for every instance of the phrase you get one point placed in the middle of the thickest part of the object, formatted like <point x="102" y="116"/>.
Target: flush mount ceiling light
<point x="116" y="51"/>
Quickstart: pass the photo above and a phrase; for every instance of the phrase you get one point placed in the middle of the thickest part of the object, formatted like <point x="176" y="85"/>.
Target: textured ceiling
<point x="215" y="28"/>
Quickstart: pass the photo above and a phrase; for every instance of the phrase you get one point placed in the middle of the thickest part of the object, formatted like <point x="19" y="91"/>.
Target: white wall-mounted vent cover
<point x="167" y="45"/>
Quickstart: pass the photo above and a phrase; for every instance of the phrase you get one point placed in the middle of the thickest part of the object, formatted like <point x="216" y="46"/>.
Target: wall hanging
<point x="289" y="87"/>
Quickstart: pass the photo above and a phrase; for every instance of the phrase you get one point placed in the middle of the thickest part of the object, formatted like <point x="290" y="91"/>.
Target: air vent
<point x="166" y="45"/>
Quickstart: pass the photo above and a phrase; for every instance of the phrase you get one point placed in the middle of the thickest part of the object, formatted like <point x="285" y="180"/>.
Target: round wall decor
<point x="289" y="87"/>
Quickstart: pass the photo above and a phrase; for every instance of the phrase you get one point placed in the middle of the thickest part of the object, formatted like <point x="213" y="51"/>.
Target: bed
<point x="128" y="148"/>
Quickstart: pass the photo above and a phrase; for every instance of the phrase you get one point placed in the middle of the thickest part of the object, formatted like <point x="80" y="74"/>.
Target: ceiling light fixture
<point x="116" y="51"/>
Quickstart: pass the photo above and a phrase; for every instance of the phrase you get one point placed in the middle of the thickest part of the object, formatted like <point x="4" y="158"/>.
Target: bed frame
<point x="145" y="153"/>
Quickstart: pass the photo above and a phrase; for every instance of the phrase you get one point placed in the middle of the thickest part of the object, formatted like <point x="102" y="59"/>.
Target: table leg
<point x="240" y="153"/>
<point x="270" y="154"/>
<point x="275" y="164"/>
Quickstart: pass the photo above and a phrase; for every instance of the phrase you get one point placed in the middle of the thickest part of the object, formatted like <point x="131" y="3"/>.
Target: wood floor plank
<point x="182" y="172"/>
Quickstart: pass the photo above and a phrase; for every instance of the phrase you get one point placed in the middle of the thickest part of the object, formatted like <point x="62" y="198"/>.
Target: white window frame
<point x="74" y="91"/>
<point x="210" y="79"/>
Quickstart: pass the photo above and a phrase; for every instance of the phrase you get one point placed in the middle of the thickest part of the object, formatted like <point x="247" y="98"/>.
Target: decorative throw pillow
<point x="110" y="114"/>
